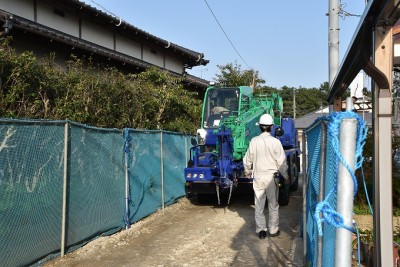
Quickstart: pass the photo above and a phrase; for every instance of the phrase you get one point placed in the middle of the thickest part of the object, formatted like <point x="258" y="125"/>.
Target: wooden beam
<point x="382" y="149"/>
<point x="337" y="103"/>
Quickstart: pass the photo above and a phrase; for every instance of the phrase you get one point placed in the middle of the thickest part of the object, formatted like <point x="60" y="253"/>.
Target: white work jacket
<point x="265" y="155"/>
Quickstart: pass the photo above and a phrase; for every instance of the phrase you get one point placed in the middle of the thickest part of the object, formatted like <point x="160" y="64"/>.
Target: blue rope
<point x="333" y="132"/>
<point x="127" y="138"/>
<point x="330" y="215"/>
<point x="366" y="192"/>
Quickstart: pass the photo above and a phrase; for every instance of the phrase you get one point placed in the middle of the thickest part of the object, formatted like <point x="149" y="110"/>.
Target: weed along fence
<point x="334" y="151"/>
<point x="63" y="183"/>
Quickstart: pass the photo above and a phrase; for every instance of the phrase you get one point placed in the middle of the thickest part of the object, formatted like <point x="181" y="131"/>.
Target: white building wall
<point x="96" y="34"/>
<point x="173" y="64"/>
<point x="68" y="23"/>
<point x="357" y="85"/>
<point x="396" y="51"/>
<point x="19" y="7"/>
<point x="156" y="58"/>
<point x="128" y="47"/>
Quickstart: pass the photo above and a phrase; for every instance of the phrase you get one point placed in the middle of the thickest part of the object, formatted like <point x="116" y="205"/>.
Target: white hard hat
<point x="266" y="119"/>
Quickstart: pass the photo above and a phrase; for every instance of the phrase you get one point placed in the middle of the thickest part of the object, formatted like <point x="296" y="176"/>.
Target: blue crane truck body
<point x="228" y="123"/>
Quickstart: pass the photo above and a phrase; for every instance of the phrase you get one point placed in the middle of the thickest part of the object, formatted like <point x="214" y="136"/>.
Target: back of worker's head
<point x="266" y="122"/>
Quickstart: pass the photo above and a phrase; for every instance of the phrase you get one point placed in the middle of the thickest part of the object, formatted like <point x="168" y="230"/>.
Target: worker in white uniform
<point x="265" y="157"/>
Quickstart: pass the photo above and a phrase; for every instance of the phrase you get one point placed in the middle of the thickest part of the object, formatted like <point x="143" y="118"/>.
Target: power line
<point x="343" y="13"/>
<point x="105" y="9"/>
<point x="226" y="35"/>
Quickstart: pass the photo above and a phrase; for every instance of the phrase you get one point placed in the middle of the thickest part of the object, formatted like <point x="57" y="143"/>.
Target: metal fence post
<point x="65" y="178"/>
<point x="126" y="152"/>
<point x="345" y="190"/>
<point x="162" y="169"/>
<point x="305" y="183"/>
<point x="186" y="149"/>
<point x="321" y="195"/>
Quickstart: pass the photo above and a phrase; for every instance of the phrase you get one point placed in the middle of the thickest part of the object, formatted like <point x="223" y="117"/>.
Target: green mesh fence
<point x="96" y="183"/>
<point x="32" y="178"/>
<point x="144" y="174"/>
<point x="31" y="172"/>
<point x="173" y="157"/>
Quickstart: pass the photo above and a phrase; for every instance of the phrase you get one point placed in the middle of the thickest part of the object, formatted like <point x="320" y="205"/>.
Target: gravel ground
<point x="188" y="233"/>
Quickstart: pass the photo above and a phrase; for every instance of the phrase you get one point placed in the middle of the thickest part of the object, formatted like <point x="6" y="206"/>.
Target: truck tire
<point x="295" y="184"/>
<point x="188" y="194"/>
<point x="296" y="168"/>
<point x="203" y="198"/>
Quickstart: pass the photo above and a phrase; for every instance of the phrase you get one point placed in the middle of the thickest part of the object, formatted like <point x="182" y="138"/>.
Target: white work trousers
<point x="265" y="188"/>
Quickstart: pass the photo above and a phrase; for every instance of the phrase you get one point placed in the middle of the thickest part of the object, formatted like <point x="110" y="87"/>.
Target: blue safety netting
<point x="321" y="216"/>
<point x="313" y="178"/>
<point x="101" y="165"/>
<point x="331" y="169"/>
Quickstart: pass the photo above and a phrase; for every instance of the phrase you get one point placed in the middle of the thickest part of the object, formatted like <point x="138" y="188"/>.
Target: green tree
<point x="232" y="74"/>
<point x="266" y="90"/>
<point x="324" y="87"/>
<point x="93" y="94"/>
<point x="166" y="103"/>
<point x="307" y="99"/>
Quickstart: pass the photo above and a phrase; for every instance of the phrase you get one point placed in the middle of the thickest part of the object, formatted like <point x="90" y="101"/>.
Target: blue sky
<point x="285" y="40"/>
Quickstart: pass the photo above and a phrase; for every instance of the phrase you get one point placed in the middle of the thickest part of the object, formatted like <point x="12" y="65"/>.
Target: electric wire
<point x="226" y="35"/>
<point x="105" y="9"/>
<point x="343" y="13"/>
<point x="212" y="12"/>
<point x="366" y="192"/>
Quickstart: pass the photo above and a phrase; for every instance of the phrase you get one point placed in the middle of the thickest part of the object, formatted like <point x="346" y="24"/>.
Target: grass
<point x="361" y="209"/>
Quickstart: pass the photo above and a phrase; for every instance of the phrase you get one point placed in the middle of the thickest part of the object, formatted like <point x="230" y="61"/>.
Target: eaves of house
<point x="117" y="26"/>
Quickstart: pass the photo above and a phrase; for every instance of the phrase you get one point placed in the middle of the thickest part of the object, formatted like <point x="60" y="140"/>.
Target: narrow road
<point x="191" y="234"/>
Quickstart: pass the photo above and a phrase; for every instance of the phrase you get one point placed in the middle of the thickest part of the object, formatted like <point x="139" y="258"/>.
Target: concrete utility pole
<point x="294" y="103"/>
<point x="333" y="42"/>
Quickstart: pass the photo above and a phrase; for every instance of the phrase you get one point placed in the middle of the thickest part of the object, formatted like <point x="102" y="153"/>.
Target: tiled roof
<point x="308" y="119"/>
<point x="189" y="57"/>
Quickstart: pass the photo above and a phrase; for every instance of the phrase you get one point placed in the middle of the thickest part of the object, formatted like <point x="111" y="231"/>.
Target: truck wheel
<point x="202" y="198"/>
<point x="295" y="184"/>
<point x="187" y="193"/>
<point x="206" y="198"/>
<point x="284" y="192"/>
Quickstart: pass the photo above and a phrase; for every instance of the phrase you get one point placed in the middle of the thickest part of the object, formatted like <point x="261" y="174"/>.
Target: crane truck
<point x="228" y="123"/>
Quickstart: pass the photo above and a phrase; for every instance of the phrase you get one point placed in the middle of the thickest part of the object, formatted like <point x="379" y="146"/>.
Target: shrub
<point x="93" y="94"/>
